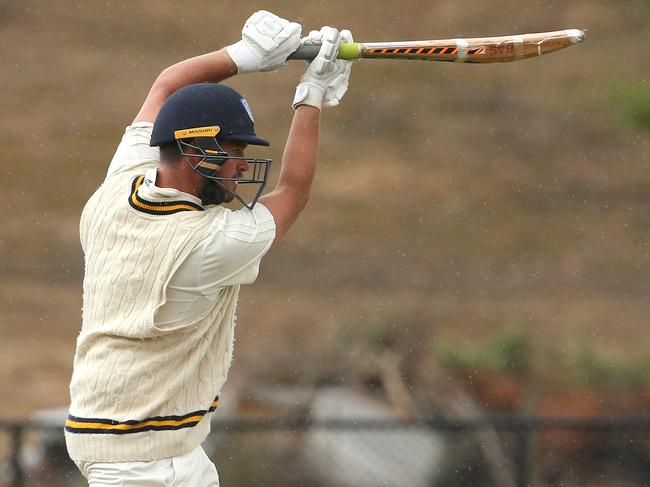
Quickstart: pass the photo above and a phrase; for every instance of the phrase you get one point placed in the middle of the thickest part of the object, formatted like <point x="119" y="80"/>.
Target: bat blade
<point x="476" y="50"/>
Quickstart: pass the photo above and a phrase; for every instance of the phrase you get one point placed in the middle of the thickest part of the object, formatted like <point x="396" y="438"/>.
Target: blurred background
<point x="477" y="241"/>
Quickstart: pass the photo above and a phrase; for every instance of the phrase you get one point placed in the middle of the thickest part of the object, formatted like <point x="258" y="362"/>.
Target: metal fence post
<point x="18" y="477"/>
<point x="522" y="454"/>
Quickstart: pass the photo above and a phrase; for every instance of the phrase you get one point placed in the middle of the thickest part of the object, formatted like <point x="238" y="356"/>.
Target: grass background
<point x="491" y="220"/>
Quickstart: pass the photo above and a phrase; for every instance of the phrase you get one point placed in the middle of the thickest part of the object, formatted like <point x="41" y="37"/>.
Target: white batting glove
<point x="267" y="40"/>
<point x="326" y="79"/>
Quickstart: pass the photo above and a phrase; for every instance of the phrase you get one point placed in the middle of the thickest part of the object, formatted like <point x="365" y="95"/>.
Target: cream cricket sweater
<point x="139" y="392"/>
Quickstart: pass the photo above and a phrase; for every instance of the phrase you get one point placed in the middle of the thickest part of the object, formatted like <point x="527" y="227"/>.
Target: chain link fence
<point x="420" y="453"/>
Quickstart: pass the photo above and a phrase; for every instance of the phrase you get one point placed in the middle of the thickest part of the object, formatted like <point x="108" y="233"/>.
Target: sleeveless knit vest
<point x="139" y="392"/>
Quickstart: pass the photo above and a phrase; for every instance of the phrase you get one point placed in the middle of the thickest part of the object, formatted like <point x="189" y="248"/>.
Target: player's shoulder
<point x="140" y="125"/>
<point x="258" y="216"/>
<point x="137" y="133"/>
<point x="134" y="149"/>
<point x="244" y="224"/>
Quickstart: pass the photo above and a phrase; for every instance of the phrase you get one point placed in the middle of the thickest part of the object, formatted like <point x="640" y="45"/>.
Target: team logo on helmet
<point x="247" y="108"/>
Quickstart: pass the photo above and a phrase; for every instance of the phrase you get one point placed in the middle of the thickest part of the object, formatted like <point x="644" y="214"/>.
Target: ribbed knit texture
<point x="126" y="369"/>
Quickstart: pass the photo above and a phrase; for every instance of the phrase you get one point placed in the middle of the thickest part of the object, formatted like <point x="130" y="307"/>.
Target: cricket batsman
<point x="164" y="260"/>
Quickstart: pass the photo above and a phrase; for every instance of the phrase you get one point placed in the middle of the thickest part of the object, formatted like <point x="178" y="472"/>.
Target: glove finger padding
<point x="330" y="42"/>
<point x="267" y="41"/>
<point x="346" y="36"/>
<point x="326" y="79"/>
<point x="261" y="29"/>
<point x="288" y="42"/>
<point x="314" y="37"/>
<point x="325" y="73"/>
<point x="290" y="32"/>
<point x="339" y="85"/>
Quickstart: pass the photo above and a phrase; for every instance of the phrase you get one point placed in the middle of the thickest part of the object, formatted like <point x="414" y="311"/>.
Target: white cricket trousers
<point x="193" y="469"/>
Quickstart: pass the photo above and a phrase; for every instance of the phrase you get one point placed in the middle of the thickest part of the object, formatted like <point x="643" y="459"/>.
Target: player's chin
<point x="232" y="188"/>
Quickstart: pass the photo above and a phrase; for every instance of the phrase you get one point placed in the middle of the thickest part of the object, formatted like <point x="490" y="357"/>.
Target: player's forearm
<point x="215" y="66"/>
<point x="291" y="194"/>
<point x="301" y="153"/>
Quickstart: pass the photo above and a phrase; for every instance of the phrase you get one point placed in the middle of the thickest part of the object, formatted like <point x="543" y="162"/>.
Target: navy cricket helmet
<point x="199" y="116"/>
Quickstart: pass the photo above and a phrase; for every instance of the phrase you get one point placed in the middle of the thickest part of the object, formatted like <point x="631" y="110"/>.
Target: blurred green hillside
<point x="453" y="202"/>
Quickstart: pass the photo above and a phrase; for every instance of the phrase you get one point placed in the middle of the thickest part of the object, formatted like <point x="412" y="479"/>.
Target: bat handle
<point x="347" y="51"/>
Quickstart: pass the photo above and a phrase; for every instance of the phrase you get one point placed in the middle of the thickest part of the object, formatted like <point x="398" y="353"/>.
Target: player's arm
<point x="214" y="66"/>
<point x="267" y="40"/>
<point x="299" y="160"/>
<point x="324" y="84"/>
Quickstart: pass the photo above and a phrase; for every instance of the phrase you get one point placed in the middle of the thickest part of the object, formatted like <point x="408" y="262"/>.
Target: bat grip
<point x="347" y="51"/>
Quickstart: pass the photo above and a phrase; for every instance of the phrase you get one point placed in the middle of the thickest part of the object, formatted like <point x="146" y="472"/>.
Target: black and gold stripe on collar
<point x="75" y="424"/>
<point x="158" y="207"/>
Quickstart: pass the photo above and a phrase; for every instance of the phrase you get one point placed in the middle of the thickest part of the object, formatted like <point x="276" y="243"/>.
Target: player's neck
<point x="180" y="178"/>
